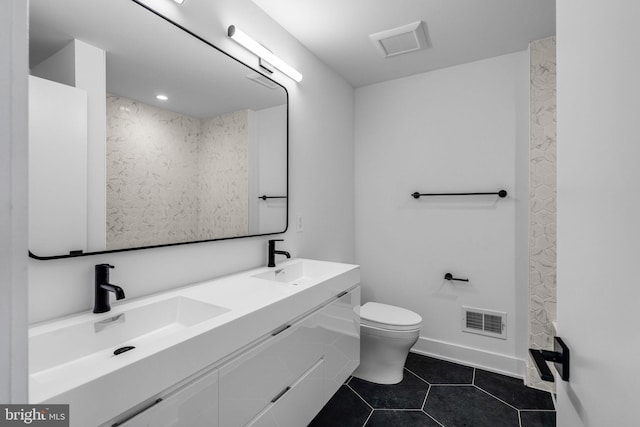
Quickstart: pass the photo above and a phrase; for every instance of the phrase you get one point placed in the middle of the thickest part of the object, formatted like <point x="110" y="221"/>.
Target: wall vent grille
<point x="484" y="322"/>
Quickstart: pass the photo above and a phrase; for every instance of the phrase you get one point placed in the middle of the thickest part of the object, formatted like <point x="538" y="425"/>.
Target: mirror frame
<point x="75" y="254"/>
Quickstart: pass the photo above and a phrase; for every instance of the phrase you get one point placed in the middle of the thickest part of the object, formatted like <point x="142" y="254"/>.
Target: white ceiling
<point x="461" y="31"/>
<point x="145" y="55"/>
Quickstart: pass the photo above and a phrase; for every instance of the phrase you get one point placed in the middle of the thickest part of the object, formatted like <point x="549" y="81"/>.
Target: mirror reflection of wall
<point x="174" y="178"/>
<point x="112" y="167"/>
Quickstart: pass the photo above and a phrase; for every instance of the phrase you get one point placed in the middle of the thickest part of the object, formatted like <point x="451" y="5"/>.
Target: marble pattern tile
<point x="173" y="178"/>
<point x="542" y="201"/>
<point x="224" y="176"/>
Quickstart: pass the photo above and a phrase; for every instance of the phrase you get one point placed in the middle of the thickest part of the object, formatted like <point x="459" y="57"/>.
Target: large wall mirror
<point x="143" y="135"/>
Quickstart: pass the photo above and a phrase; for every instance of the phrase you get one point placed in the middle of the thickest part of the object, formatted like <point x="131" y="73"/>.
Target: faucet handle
<point x="102" y="271"/>
<point x="105" y="265"/>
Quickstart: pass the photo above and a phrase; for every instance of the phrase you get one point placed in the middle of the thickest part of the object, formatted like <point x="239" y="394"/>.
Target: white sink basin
<point x="176" y="334"/>
<point x="100" y="335"/>
<point x="297" y="273"/>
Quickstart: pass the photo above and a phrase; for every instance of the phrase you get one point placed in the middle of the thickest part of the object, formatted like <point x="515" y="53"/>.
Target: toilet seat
<point x="389" y="317"/>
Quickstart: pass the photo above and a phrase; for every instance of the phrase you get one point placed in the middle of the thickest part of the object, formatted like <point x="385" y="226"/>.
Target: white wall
<point x="320" y="180"/>
<point x="83" y="66"/>
<point x="599" y="210"/>
<point x="91" y="75"/>
<point x="57" y="159"/>
<point x="452" y="130"/>
<point x="59" y="67"/>
<point x="13" y="201"/>
<point x="267" y="170"/>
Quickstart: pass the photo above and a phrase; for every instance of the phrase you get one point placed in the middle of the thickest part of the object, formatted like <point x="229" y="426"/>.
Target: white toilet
<point x="386" y="335"/>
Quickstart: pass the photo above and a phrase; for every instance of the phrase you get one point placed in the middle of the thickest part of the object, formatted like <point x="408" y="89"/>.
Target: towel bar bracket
<point x="560" y="358"/>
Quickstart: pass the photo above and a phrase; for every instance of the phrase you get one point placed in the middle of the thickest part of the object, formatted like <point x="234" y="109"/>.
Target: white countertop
<point x="256" y="308"/>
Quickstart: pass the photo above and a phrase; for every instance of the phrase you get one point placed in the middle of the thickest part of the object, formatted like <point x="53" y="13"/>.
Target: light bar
<point x="250" y="44"/>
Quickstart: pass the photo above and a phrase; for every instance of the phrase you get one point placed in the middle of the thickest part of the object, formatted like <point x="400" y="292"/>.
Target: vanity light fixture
<point x="262" y="52"/>
<point x="162" y="97"/>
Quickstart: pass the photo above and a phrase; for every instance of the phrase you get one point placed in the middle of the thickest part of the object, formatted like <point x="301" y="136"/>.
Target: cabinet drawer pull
<point x="278" y="331"/>
<point x="341" y="294"/>
<point x="119" y="423"/>
<point x="279" y="395"/>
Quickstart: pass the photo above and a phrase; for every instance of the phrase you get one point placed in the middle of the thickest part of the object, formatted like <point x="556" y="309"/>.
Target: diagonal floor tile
<point x="436" y="371"/>
<point x="344" y="409"/>
<point x="407" y="394"/>
<point x="513" y="391"/>
<point x="538" y="418"/>
<point x="387" y="418"/>
<point x="456" y="406"/>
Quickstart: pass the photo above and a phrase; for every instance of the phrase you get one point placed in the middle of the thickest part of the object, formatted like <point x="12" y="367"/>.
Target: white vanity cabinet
<point x="282" y="381"/>
<point x="287" y="379"/>
<point x="298" y="405"/>
<point x="193" y="405"/>
<point x="263" y="347"/>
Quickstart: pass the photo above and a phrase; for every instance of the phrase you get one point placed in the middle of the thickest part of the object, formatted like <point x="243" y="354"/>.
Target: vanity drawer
<point x="194" y="405"/>
<point x="249" y="383"/>
<point x="341" y="323"/>
<point x="298" y="405"/>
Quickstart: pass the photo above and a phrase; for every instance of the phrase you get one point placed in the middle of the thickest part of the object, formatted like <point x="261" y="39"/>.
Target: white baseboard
<point x="494" y="362"/>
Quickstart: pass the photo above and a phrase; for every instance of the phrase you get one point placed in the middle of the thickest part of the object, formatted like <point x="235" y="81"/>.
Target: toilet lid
<point x="389" y="317"/>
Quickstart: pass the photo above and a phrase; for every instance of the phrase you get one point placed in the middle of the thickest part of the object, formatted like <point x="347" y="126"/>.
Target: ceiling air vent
<point x="484" y="322"/>
<point x="405" y="39"/>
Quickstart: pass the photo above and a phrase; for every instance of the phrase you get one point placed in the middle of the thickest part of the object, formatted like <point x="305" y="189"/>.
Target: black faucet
<point x="273" y="252"/>
<point x="103" y="287"/>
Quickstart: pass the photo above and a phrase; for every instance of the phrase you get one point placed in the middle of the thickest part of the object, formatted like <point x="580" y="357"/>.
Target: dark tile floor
<point x="436" y="393"/>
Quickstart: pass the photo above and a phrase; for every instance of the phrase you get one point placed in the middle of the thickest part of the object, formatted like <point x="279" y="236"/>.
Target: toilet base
<point x="383" y="354"/>
<point x="380" y="374"/>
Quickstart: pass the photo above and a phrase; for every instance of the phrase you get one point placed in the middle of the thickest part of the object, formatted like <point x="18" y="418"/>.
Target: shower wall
<point x="173" y="178"/>
<point x="542" y="202"/>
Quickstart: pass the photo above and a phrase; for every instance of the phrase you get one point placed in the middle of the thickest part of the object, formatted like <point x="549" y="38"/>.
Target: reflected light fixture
<point x="162" y="97"/>
<point x="262" y="52"/>
<point x="179" y="1"/>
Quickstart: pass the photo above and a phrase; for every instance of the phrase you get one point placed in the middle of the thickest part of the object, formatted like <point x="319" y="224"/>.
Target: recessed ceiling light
<point x="162" y="97"/>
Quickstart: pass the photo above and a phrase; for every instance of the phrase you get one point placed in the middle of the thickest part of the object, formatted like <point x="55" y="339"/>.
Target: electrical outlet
<point x="299" y="224"/>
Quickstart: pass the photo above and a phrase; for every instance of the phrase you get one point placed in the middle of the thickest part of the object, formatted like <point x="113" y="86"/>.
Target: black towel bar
<point x="416" y="195"/>
<point x="264" y="197"/>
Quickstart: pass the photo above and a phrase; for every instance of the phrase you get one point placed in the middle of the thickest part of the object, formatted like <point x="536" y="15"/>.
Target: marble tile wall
<point x="156" y="162"/>
<point x="542" y="201"/>
<point x="224" y="176"/>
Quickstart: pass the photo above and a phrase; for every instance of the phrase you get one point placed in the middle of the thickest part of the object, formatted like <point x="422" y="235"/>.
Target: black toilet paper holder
<point x="449" y="276"/>
<point x="560" y="358"/>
